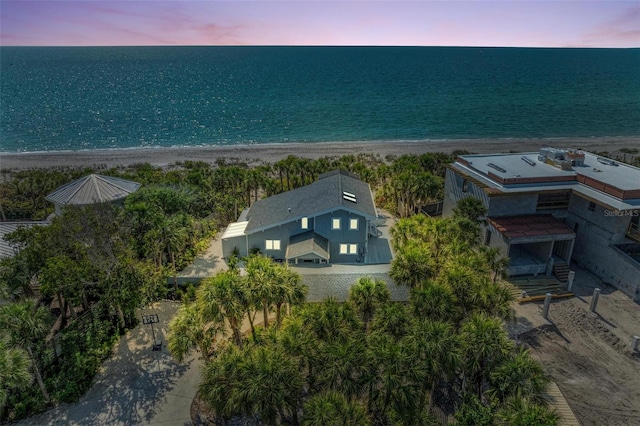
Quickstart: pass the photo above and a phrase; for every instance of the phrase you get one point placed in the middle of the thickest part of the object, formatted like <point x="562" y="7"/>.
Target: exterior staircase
<point x="561" y="271"/>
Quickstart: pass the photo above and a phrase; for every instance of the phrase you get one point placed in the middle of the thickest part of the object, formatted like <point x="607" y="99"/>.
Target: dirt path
<point x="589" y="355"/>
<point x="136" y="385"/>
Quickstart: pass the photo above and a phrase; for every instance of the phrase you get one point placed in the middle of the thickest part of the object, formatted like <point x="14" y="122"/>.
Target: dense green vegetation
<point x="223" y="189"/>
<point x="75" y="285"/>
<point x="370" y="361"/>
<point x="80" y="280"/>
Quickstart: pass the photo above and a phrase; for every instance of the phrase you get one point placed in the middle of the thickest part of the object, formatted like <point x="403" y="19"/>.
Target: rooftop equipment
<point x="607" y="161"/>
<point x="529" y="161"/>
<point x="496" y="167"/>
<point x="561" y="158"/>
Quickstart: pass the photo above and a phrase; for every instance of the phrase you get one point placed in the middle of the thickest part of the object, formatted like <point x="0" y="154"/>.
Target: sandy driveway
<point x="136" y="385"/>
<point x="589" y="355"/>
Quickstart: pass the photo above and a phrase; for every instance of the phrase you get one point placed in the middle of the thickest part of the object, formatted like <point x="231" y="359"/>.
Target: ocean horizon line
<point x="334" y="143"/>
<point x="279" y="46"/>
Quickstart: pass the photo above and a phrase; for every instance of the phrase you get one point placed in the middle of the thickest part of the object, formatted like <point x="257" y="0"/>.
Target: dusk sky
<point x="559" y="23"/>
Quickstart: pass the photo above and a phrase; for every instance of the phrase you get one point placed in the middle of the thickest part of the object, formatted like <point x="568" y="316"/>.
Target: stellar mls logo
<point x="632" y="213"/>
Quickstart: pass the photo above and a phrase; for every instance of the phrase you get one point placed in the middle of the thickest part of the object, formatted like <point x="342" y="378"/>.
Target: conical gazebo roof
<point x="92" y="189"/>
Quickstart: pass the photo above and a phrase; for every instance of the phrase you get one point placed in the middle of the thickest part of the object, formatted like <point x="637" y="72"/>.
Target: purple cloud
<point x="622" y="30"/>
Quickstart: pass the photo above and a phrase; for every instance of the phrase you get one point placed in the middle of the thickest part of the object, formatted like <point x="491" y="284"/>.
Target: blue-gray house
<point x="328" y="221"/>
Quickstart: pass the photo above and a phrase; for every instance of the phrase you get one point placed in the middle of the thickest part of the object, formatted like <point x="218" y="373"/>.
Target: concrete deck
<point x="379" y="248"/>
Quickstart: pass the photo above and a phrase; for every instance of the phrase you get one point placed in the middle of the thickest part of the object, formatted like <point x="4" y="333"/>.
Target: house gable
<point x="338" y="209"/>
<point x="336" y="190"/>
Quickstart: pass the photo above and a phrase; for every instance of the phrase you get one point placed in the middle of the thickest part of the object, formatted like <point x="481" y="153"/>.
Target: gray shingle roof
<point x="307" y="243"/>
<point x="7" y="249"/>
<point x="93" y="189"/>
<point x="324" y="195"/>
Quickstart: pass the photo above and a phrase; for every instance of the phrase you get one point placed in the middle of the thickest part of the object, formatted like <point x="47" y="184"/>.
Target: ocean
<point x="85" y="98"/>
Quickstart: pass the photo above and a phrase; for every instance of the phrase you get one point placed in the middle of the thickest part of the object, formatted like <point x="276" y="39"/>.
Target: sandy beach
<point x="273" y="152"/>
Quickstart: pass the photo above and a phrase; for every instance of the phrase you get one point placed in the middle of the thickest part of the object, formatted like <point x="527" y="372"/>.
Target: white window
<point x="335" y="223"/>
<point x="353" y="223"/>
<point x="304" y="223"/>
<point x="272" y="244"/>
<point x="348" y="249"/>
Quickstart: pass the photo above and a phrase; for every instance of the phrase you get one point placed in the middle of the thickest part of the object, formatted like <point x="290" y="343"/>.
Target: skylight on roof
<point x="349" y="196"/>
<point x="496" y="167"/>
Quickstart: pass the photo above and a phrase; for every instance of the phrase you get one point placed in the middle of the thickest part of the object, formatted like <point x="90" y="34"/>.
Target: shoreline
<point x="272" y="152"/>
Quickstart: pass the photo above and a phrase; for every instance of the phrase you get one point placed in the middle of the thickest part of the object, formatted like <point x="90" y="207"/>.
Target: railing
<point x="634" y="231"/>
<point x="531" y="269"/>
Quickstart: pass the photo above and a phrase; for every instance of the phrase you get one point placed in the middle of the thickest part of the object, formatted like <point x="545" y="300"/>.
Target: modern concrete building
<point x="548" y="208"/>
<point x="329" y="221"/>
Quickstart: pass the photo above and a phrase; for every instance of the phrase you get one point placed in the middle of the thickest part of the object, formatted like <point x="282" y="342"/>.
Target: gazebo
<point x="92" y="189"/>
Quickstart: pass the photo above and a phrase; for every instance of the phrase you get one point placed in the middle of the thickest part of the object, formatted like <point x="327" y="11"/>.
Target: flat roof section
<point x="545" y="225"/>
<point x="511" y="168"/>
<point x="235" y="229"/>
<point x="513" y="165"/>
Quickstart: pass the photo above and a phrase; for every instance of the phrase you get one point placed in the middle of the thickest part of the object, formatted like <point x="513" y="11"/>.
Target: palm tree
<point x="434" y="300"/>
<point x="299" y="342"/>
<point x="220" y="381"/>
<point x="15" y="366"/>
<point x="471" y="411"/>
<point x="393" y="320"/>
<point x="460" y="280"/>
<point x="25" y="323"/>
<point x="14" y="278"/>
<point x="261" y="280"/>
<point x="519" y="376"/>
<point x="270" y="385"/>
<point x="493" y="299"/>
<point x="470" y="208"/>
<point x="173" y="236"/>
<point x="223" y="296"/>
<point x="190" y="330"/>
<point x="367" y="295"/>
<point x="412" y="265"/>
<point x="495" y="261"/>
<point x="523" y="412"/>
<point x="287" y="288"/>
<point x="486" y="345"/>
<point x="331" y="408"/>
<point x="343" y="368"/>
<point x="331" y="321"/>
<point x="396" y="379"/>
<point x="438" y="347"/>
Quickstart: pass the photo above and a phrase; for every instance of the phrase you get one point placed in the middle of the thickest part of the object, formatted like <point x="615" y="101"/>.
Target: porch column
<point x="550" y="260"/>
<point x="549" y="270"/>
<point x="571" y="243"/>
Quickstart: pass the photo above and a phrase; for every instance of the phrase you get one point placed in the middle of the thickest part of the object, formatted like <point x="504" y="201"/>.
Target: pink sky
<point x="560" y="23"/>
